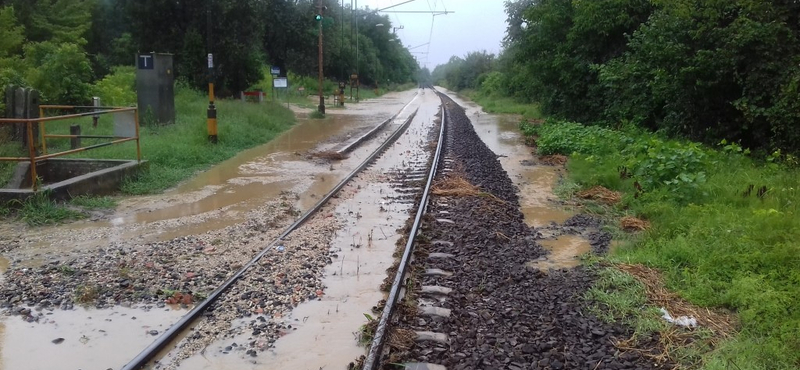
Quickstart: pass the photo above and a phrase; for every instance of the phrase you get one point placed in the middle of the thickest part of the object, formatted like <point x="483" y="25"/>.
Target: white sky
<point x="476" y="25"/>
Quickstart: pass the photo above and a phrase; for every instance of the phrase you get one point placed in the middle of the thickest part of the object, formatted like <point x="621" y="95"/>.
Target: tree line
<point x="704" y="69"/>
<point x="61" y="47"/>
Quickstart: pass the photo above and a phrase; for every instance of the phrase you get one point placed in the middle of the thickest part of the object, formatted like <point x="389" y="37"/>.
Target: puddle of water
<point x="92" y="339"/>
<point x="536" y="194"/>
<point x="4" y="265"/>
<point x="222" y="195"/>
<point x="564" y="252"/>
<point x="262" y="172"/>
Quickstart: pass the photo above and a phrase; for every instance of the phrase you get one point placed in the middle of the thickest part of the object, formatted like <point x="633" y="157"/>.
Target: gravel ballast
<point x="503" y="315"/>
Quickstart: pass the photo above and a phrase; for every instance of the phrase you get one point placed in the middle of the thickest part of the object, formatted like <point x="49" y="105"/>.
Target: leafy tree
<point x="65" y="21"/>
<point x="116" y="89"/>
<point x="11" y="34"/>
<point x="62" y="73"/>
<point x="243" y="35"/>
<point x="712" y="70"/>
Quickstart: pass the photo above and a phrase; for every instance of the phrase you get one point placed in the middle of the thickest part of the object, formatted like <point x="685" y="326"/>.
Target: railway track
<point x="465" y="292"/>
<point x="413" y="173"/>
<point x="376" y="348"/>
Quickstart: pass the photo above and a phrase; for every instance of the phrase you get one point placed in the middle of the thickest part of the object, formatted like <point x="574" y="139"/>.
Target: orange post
<point x="212" y="115"/>
<point x="138" y="149"/>
<point x="32" y="154"/>
<point x="42" y="132"/>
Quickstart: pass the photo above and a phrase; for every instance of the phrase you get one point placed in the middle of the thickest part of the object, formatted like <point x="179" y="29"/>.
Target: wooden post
<point x="75" y="142"/>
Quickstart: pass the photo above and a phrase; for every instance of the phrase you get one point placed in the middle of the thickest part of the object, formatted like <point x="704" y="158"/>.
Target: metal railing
<point x="33" y="157"/>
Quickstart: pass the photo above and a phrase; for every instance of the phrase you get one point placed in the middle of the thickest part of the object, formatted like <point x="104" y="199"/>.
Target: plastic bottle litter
<point x="685" y="321"/>
<point x="280" y="248"/>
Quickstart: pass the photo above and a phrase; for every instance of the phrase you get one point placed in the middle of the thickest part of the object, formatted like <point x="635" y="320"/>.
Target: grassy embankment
<point x="725" y="233"/>
<point x="174" y="152"/>
<point x="503" y="104"/>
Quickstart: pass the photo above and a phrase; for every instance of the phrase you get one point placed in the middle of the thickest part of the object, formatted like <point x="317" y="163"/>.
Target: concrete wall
<point x="105" y="179"/>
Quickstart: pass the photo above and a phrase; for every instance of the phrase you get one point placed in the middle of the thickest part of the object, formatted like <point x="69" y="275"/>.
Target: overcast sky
<point x="475" y="25"/>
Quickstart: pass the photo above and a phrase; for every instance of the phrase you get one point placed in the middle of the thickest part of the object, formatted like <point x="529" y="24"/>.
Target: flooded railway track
<point x="429" y="234"/>
<point x="476" y="295"/>
<point x="405" y="179"/>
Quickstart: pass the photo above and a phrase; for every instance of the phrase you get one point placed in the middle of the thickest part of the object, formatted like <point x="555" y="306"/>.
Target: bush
<point x="653" y="162"/>
<point x="61" y="72"/>
<point x="117" y="88"/>
<point x="560" y="137"/>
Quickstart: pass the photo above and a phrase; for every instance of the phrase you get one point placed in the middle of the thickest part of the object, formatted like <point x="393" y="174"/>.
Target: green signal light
<point x="318" y="17"/>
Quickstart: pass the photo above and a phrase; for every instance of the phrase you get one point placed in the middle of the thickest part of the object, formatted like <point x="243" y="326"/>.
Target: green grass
<point x="178" y="151"/>
<point x="40" y="210"/>
<point x="618" y="296"/>
<point x="717" y="244"/>
<point x="503" y="104"/>
<point x="316" y="115"/>
<point x="8" y="149"/>
<point x="92" y="202"/>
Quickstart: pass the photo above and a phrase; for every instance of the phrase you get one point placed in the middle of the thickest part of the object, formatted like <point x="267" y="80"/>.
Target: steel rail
<point x="373" y="359"/>
<point x="350" y="147"/>
<point x="165" y="338"/>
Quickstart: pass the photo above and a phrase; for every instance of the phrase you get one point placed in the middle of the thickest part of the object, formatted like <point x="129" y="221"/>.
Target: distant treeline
<point x="62" y="46"/>
<point x="704" y="69"/>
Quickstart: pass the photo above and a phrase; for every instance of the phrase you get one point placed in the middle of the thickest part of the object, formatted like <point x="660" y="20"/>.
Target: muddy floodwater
<point x="222" y="195"/>
<point x="319" y="334"/>
<point x="538" y="203"/>
<point x="217" y="198"/>
<point x="324" y="332"/>
<point x="75" y="339"/>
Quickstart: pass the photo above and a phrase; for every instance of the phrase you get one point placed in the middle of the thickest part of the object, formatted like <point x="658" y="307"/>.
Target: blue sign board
<point x="275" y="70"/>
<point x="144" y="61"/>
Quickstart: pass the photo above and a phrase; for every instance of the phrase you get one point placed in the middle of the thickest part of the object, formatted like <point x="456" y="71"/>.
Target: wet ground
<point x="535" y="181"/>
<point x="478" y="303"/>
<point x="59" y="341"/>
<point x="217" y="205"/>
<point x="222" y="195"/>
<point x="318" y="333"/>
<point x="323" y="332"/>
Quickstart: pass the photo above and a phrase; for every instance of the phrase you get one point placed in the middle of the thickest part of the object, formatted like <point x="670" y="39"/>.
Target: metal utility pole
<point x="358" y="75"/>
<point x="212" y="110"/>
<point x="341" y="47"/>
<point x="321" y="107"/>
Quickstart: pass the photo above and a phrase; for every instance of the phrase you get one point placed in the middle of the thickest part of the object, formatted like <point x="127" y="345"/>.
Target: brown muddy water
<point x="80" y="339"/>
<point x="212" y="200"/>
<point x="564" y="252"/>
<point x="538" y="203"/>
<point x="222" y="195"/>
<point x="324" y="332"/>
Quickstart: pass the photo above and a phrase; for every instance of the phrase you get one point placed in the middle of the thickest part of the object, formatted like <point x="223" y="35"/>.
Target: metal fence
<point x="126" y="128"/>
